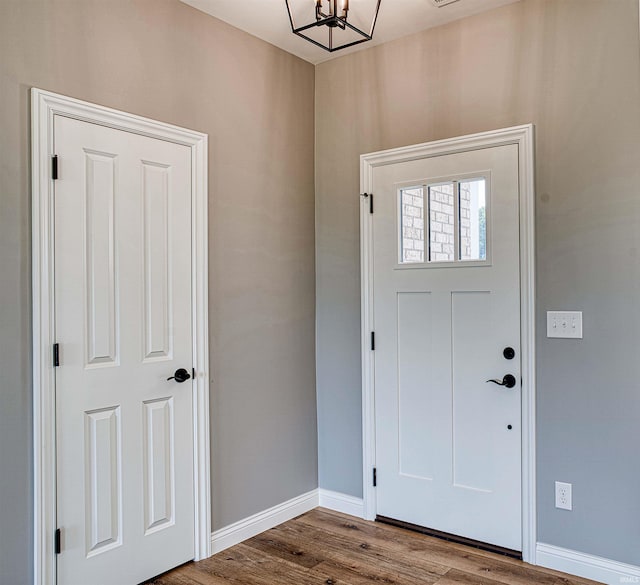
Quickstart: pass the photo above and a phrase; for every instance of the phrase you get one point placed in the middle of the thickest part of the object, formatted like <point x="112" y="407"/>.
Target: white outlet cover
<point x="563" y="496"/>
<point x="564" y="324"/>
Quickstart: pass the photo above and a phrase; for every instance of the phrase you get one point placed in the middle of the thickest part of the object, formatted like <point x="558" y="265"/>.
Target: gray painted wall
<point x="572" y="68"/>
<point x="165" y="60"/>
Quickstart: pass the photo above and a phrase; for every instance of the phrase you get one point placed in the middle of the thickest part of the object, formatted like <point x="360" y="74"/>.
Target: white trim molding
<point x="44" y="107"/>
<point x="523" y="137"/>
<point x="257" y="523"/>
<point x="253" y="525"/>
<point x="342" y="503"/>
<point x="587" y="566"/>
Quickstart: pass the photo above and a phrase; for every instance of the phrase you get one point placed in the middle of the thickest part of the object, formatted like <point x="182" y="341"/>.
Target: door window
<point x="443" y="222"/>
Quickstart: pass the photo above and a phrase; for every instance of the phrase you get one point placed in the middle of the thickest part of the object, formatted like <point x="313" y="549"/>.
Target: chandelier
<point x="333" y="24"/>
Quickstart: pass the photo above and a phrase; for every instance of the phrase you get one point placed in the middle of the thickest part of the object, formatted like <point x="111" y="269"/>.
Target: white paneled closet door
<point x="125" y="493"/>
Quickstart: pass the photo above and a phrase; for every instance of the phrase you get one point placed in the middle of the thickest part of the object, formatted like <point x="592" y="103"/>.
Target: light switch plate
<point x="565" y="324"/>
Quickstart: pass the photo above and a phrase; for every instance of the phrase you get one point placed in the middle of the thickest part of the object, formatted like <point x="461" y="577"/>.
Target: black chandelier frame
<point x="332" y="22"/>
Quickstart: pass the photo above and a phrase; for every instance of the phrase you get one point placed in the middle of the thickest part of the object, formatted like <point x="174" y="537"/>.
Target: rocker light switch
<point x="566" y="324"/>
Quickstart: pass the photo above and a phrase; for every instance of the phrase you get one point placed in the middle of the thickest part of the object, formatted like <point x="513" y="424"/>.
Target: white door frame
<point x="522" y="136"/>
<point x="44" y="106"/>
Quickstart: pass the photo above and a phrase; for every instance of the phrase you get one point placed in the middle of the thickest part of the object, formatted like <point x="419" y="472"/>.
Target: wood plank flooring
<point x="324" y="547"/>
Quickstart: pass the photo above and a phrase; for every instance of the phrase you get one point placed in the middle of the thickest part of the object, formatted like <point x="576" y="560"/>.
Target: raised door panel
<point x="100" y="260"/>
<point x="159" y="475"/>
<point x="157" y="266"/>
<point x="103" y="480"/>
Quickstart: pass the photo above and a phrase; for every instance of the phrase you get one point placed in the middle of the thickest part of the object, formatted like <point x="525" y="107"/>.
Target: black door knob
<point x="508" y="381"/>
<point x="180" y="375"/>
<point x="509" y="353"/>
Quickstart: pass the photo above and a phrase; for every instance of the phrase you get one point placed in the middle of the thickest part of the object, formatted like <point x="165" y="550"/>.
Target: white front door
<point x="447" y="319"/>
<point x="125" y="493"/>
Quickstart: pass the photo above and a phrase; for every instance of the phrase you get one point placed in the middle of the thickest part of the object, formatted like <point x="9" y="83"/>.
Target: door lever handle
<point x="180" y="375"/>
<point x="508" y="381"/>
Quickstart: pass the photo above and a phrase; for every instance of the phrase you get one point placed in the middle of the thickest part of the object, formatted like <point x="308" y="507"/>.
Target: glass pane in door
<point x="441" y="223"/>
<point x="473" y="220"/>
<point x="412" y="217"/>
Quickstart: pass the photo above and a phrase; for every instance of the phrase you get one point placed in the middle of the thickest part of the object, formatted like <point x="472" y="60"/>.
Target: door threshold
<point x="499" y="550"/>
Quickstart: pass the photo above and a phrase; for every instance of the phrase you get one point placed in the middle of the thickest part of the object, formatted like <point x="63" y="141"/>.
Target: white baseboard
<point x="587" y="566"/>
<point x="342" y="503"/>
<point x="238" y="531"/>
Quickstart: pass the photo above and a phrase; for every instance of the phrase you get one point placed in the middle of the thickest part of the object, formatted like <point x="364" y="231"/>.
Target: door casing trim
<point x="44" y="106"/>
<point x="523" y="137"/>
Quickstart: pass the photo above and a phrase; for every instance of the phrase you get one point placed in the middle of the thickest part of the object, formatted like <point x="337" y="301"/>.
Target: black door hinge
<point x="370" y="197"/>
<point x="54" y="167"/>
<point x="56" y="541"/>
<point x="373" y="341"/>
<point x="193" y="373"/>
<point x="56" y="355"/>
<point x="375" y="477"/>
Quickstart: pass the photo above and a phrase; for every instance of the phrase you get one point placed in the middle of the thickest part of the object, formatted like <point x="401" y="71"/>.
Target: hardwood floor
<point x="327" y="548"/>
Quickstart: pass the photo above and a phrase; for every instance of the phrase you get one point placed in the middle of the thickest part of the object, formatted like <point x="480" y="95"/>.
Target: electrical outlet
<point x="563" y="496"/>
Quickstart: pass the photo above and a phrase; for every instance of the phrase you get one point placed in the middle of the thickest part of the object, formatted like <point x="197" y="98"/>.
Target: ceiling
<point x="268" y="20"/>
